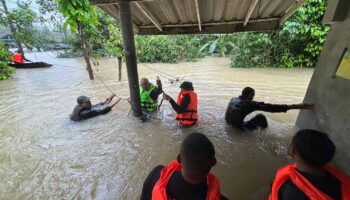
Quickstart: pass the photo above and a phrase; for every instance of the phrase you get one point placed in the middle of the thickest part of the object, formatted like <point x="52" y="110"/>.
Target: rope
<point x="170" y="78"/>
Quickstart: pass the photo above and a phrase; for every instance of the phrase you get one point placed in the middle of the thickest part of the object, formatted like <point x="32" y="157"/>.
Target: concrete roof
<point x="154" y="17"/>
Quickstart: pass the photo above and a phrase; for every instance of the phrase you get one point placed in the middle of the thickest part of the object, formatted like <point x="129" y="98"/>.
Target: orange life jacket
<point x="289" y="172"/>
<point x="159" y="190"/>
<point x="18" y="58"/>
<point x="190" y="117"/>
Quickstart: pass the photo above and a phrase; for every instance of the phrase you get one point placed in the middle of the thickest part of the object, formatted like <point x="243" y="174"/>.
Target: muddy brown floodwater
<point x="44" y="155"/>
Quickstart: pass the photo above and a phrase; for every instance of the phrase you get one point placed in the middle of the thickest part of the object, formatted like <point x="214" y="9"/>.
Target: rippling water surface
<point x="43" y="155"/>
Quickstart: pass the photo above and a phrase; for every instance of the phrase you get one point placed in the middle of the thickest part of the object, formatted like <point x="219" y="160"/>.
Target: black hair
<point x="197" y="152"/>
<point x="186" y="85"/>
<point x="82" y="99"/>
<point x="247" y="91"/>
<point x="19" y="51"/>
<point x="314" y="147"/>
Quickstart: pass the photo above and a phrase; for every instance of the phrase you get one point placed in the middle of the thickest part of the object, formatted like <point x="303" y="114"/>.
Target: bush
<point x="5" y="58"/>
<point x="252" y="50"/>
<point x="158" y="48"/>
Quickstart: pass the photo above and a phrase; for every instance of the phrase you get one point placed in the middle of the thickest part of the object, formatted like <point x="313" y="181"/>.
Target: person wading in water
<point x="239" y="107"/>
<point x="186" y="105"/>
<point x="84" y="109"/>
<point x="149" y="94"/>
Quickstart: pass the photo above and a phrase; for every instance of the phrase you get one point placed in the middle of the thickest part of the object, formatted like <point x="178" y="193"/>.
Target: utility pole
<point x="130" y="56"/>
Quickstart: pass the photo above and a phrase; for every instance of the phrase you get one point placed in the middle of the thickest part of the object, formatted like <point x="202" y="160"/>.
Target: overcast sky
<point x="11" y="4"/>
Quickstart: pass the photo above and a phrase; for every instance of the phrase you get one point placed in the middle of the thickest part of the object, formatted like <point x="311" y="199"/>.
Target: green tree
<point x="5" y="58"/>
<point x="5" y="19"/>
<point x="251" y="50"/>
<point x="114" y="46"/>
<point x="303" y="35"/>
<point x="297" y="44"/>
<point x="82" y="18"/>
<point x="23" y="19"/>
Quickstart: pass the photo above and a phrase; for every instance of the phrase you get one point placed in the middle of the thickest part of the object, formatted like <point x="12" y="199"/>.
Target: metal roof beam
<point x="198" y="15"/>
<point x="273" y="19"/>
<point x="219" y="28"/>
<point x="250" y="12"/>
<point x="149" y="15"/>
<point x="109" y="2"/>
<point x="113" y="11"/>
<point x="291" y="10"/>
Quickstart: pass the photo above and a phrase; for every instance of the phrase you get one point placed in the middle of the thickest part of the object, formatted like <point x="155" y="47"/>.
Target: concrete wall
<point x="331" y="95"/>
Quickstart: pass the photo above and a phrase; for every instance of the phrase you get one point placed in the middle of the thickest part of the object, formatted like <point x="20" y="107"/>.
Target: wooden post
<point x="120" y="63"/>
<point x="130" y="56"/>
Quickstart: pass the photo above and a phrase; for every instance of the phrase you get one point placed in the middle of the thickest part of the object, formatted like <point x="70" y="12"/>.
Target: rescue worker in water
<point x="149" y="94"/>
<point x="19" y="58"/>
<point x="187" y="177"/>
<point x="239" y="107"/>
<point x="186" y="105"/>
<point x="310" y="177"/>
<point x="84" y="109"/>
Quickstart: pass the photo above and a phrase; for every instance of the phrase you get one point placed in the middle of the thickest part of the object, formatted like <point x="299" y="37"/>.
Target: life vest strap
<point x="187" y="119"/>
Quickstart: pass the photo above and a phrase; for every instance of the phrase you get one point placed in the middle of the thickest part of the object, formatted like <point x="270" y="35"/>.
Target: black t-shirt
<point x="80" y="113"/>
<point x="239" y="108"/>
<point x="177" y="187"/>
<point x="328" y="184"/>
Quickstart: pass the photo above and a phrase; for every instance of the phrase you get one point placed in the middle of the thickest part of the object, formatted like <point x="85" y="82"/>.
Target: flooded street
<point x="44" y="155"/>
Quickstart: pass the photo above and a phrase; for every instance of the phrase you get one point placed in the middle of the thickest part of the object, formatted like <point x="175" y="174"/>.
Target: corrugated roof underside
<point x="178" y="13"/>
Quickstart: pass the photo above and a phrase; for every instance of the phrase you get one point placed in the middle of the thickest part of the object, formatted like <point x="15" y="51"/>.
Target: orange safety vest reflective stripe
<point x="190" y="117"/>
<point x="289" y="172"/>
<point x="159" y="190"/>
<point x="18" y="58"/>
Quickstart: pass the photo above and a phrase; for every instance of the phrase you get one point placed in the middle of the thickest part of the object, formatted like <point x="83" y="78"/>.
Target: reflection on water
<point x="44" y="155"/>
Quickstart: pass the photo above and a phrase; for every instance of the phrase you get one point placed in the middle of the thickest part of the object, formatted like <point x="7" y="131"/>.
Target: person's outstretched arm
<point x="279" y="107"/>
<point x="109" y="99"/>
<point x="178" y="108"/>
<point x="301" y="106"/>
<point x="115" y="103"/>
<point x="24" y="58"/>
<point x="156" y="92"/>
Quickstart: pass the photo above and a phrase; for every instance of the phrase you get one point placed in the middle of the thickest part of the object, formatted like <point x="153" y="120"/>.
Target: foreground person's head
<point x="312" y="148"/>
<point x="144" y="83"/>
<point x="186" y="86"/>
<point x="248" y="93"/>
<point x="197" y="156"/>
<point x="84" y="101"/>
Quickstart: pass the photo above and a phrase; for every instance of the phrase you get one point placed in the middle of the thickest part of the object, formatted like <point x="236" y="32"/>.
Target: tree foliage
<point x="5" y="58"/>
<point x="114" y="44"/>
<point x="78" y="11"/>
<point x="23" y="19"/>
<point x="304" y="34"/>
<point x="297" y="44"/>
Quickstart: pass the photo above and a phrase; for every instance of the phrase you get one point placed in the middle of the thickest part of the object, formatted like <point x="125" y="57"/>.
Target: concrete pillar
<point x="130" y="56"/>
<point x="330" y="93"/>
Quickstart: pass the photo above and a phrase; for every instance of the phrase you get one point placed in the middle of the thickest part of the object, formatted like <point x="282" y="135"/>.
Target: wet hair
<point x="197" y="153"/>
<point x="314" y="147"/>
<point x="247" y="91"/>
<point x="82" y="99"/>
<point x="186" y="85"/>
